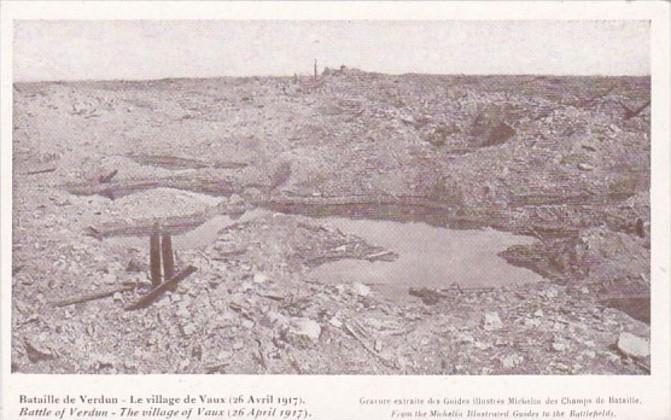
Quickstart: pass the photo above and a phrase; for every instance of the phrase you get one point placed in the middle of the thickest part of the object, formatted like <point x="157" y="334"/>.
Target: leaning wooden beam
<point x="154" y="293"/>
<point x="155" y="255"/>
<point x="635" y="112"/>
<point x="93" y="296"/>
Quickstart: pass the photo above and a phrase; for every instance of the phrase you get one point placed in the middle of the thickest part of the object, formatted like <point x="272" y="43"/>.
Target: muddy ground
<point x="563" y="159"/>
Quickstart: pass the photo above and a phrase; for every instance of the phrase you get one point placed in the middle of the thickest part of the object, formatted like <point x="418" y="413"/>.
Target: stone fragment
<point x="335" y="322"/>
<point x="377" y="346"/>
<point x="360" y="289"/>
<point x="559" y="345"/>
<point x="511" y="361"/>
<point x="492" y="321"/>
<point x="224" y="355"/>
<point x="302" y="332"/>
<point x="37" y="352"/>
<point x="260" y="278"/>
<point x="633" y="346"/>
<point x="235" y="199"/>
<point x="109" y="279"/>
<point x="531" y="322"/>
<point x="550" y="293"/>
<point x="614" y="128"/>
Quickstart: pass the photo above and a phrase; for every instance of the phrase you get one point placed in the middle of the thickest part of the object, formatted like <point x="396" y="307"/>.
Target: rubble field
<point x="565" y="160"/>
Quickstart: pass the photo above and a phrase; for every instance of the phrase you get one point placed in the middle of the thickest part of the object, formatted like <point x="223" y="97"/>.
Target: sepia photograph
<point x="331" y="197"/>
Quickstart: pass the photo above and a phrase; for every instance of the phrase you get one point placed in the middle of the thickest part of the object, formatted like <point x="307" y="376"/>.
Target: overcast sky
<point x="144" y="49"/>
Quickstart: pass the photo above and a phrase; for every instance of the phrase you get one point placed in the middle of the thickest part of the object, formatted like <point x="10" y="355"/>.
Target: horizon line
<point x="280" y="76"/>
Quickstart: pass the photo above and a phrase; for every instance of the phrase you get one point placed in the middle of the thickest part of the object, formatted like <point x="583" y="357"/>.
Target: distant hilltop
<point x="343" y="70"/>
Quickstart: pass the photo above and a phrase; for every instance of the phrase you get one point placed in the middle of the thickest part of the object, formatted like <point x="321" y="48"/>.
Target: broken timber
<point x="120" y="188"/>
<point x="42" y="170"/>
<point x="157" y="291"/>
<point x="93" y="296"/>
<point x="173" y="225"/>
<point x="631" y="113"/>
<point x="414" y="201"/>
<point x="180" y="163"/>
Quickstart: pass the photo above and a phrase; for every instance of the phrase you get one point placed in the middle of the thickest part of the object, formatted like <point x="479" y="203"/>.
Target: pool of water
<point x="429" y="256"/>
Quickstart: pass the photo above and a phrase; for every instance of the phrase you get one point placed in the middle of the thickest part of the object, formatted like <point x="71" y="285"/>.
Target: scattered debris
<point x="352" y="144"/>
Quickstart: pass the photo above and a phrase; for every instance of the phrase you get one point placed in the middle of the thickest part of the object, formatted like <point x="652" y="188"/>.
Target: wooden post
<point x="155" y="255"/>
<point x="315" y="69"/>
<point x="168" y="259"/>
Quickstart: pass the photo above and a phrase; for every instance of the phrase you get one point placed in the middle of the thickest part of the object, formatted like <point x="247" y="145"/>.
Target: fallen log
<point x="387" y="256"/>
<point x="42" y="170"/>
<point x="180" y="163"/>
<point x="93" y="296"/>
<point x="216" y="368"/>
<point x="406" y="200"/>
<point x="173" y="225"/>
<point x="121" y="188"/>
<point x="157" y="291"/>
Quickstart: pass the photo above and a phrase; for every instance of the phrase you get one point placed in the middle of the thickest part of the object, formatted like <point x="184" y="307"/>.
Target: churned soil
<point x="563" y="159"/>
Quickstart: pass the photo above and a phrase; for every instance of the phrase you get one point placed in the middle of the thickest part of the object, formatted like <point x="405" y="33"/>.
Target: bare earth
<point x="565" y="160"/>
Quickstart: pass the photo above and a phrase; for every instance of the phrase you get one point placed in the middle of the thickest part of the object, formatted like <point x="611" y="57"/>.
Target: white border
<point x="335" y="397"/>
